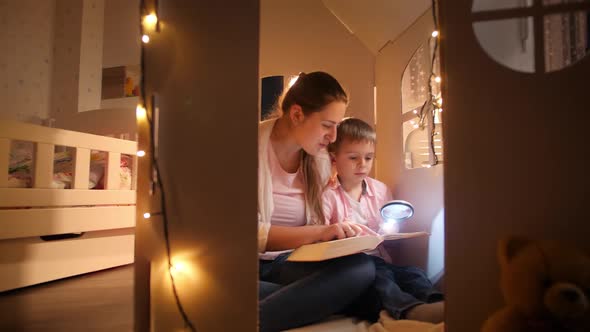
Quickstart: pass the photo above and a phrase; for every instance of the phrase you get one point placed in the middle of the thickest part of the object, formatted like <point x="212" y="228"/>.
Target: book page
<point x="332" y="249"/>
<point x="399" y="236"/>
<point x="343" y="247"/>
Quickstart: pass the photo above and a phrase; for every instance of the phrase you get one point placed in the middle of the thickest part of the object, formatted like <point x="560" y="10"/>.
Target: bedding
<point x="21" y="160"/>
<point x="385" y="324"/>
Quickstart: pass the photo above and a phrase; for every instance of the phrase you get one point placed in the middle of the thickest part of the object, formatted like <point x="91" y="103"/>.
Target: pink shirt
<point x="287" y="194"/>
<point x="339" y="206"/>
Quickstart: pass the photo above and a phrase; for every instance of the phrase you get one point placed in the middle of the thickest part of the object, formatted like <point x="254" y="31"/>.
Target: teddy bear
<point x="546" y="287"/>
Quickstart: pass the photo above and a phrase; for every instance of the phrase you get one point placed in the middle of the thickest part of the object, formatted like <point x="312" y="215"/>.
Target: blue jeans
<point x="296" y="294"/>
<point x="397" y="289"/>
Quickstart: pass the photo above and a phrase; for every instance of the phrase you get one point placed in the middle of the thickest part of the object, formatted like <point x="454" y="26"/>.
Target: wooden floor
<point x="99" y="301"/>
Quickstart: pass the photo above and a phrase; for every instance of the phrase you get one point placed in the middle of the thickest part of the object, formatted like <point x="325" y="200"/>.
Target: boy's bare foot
<point x="428" y="312"/>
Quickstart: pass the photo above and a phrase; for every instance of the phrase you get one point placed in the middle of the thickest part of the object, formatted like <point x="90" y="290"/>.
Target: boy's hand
<point x="364" y="230"/>
<point x="344" y="230"/>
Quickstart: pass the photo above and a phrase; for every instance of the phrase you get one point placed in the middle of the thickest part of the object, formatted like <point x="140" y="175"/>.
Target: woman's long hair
<point x="312" y="92"/>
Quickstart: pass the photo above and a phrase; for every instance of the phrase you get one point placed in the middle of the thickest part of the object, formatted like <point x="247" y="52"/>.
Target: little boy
<point x="404" y="292"/>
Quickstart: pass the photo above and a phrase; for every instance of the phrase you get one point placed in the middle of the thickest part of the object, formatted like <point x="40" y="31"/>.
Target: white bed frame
<point x="106" y="217"/>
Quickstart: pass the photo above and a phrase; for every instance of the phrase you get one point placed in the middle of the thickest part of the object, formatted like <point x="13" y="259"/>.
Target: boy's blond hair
<point x="353" y="130"/>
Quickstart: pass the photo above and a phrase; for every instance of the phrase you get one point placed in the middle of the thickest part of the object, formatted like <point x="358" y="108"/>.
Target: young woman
<point x="293" y="170"/>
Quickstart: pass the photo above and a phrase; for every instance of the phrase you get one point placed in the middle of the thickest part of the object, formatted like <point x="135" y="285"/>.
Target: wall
<point x="423" y="187"/>
<point x="121" y="33"/>
<point x="203" y="65"/>
<point x="377" y="22"/>
<point x="26" y="59"/>
<point x="66" y="67"/>
<point x="53" y="54"/>
<point x="512" y="165"/>
<point x="90" y="34"/>
<point x="90" y="72"/>
<point x="302" y="35"/>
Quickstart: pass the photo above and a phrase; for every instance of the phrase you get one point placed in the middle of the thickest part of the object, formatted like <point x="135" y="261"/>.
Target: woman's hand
<point x="344" y="230"/>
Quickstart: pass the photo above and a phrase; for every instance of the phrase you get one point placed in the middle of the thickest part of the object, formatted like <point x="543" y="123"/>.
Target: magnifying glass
<point x="397" y="211"/>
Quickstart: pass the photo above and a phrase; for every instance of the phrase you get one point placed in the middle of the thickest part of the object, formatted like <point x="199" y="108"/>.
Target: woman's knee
<point x="266" y="288"/>
<point x="359" y="266"/>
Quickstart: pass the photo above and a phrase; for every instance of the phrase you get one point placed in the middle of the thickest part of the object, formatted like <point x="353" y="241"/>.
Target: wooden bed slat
<point x="19" y="223"/>
<point x="134" y="173"/>
<point x="113" y="171"/>
<point x="27" y="132"/>
<point x="4" y="157"/>
<point x="43" y="176"/>
<point x="25" y="197"/>
<point x="46" y="261"/>
<point x="81" y="168"/>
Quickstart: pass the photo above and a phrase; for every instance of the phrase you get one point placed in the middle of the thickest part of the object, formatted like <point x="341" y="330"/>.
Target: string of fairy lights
<point x="432" y="106"/>
<point x="150" y="24"/>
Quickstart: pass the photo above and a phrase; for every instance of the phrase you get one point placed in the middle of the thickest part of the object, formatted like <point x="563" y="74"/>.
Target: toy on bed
<point x="546" y="286"/>
<point x="21" y="161"/>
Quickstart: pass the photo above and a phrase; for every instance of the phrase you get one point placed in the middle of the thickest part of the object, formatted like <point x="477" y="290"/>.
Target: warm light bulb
<point x="178" y="267"/>
<point x="147" y="215"/>
<point x="140" y="153"/>
<point x="436" y="117"/>
<point x="150" y="20"/>
<point x="145" y="39"/>
<point x="415" y="111"/>
<point x="434" y="33"/>
<point x="140" y="112"/>
<point x="293" y="80"/>
<point x="416" y="126"/>
<point x="437" y="79"/>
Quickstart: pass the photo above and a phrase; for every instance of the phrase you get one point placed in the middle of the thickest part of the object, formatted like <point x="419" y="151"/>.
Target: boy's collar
<point x="367" y="190"/>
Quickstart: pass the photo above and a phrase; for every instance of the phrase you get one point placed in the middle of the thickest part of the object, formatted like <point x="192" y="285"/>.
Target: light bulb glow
<point x="140" y="112"/>
<point x="147" y="215"/>
<point x="150" y="20"/>
<point x="426" y="164"/>
<point x="437" y="79"/>
<point x="184" y="268"/>
<point x="416" y="126"/>
<point x="145" y="39"/>
<point x="390" y="227"/>
<point x="435" y="33"/>
<point x="178" y="267"/>
<point x="415" y="111"/>
<point x="436" y="118"/>
<point x="140" y="153"/>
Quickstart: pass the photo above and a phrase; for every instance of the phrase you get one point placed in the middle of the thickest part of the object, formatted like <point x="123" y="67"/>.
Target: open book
<point x="331" y="249"/>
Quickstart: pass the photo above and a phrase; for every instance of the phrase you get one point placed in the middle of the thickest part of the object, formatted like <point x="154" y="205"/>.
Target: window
<point x="533" y="36"/>
<point x="422" y="109"/>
